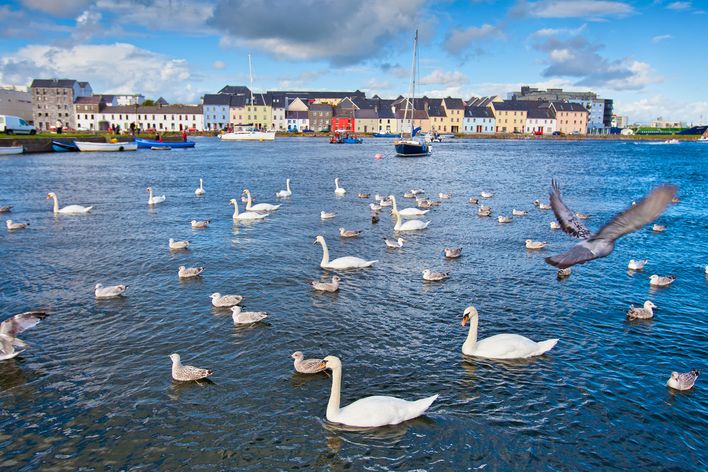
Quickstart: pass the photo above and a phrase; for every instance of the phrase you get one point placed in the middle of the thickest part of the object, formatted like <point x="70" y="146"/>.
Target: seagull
<point x="374" y="207"/>
<point x="563" y="273"/>
<point x="601" y="244"/>
<point x="394" y="244"/>
<point x="661" y="281"/>
<point x="683" y="381"/>
<point x="363" y="195"/>
<point x="444" y="196"/>
<point x="247" y="317"/>
<point x="645" y="313"/>
<point x="484" y="194"/>
<point x="13" y="326"/>
<point x="188" y="272"/>
<point x="200" y="224"/>
<point x="307" y="366"/>
<point x="225" y="301"/>
<point x="555" y="225"/>
<point x="187" y="373"/>
<point x="431" y="276"/>
<point x="112" y="291"/>
<point x="6" y="209"/>
<point x="332" y="286"/>
<point x="543" y="206"/>
<point x="658" y="228"/>
<point x="484" y="211"/>
<point x="349" y="233"/>
<point x="516" y="212"/>
<point x="452" y="253"/>
<point x="409" y="194"/>
<point x="416" y="191"/>
<point x="504" y="219"/>
<point x="327" y="215"/>
<point x="637" y="265"/>
<point x="531" y="244"/>
<point x="177" y="245"/>
<point x="473" y="201"/>
<point x="12" y="226"/>
<point x="583" y="216"/>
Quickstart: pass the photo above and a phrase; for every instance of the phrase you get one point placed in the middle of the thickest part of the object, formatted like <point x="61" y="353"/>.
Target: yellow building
<point x="510" y="116"/>
<point x="454" y="114"/>
<point x="260" y="112"/>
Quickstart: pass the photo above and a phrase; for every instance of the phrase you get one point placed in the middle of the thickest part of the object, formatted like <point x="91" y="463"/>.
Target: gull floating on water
<point x="11" y="327"/>
<point x="398" y="243"/>
<point x="484" y="211"/>
<point x="661" y="281"/>
<point x="416" y="191"/>
<point x="12" y="226"/>
<point x="225" y="301"/>
<point x="178" y="245"/>
<point x="531" y="244"/>
<point x="583" y="216"/>
<point x="327" y="215"/>
<point x="6" y="209"/>
<point x="332" y="286"/>
<point x="555" y="225"/>
<point x="473" y="201"/>
<point x="637" y="264"/>
<point x="188" y="272"/>
<point x="409" y="194"/>
<point x="639" y="313"/>
<point x="563" y="273"/>
<point x="200" y="224"/>
<point x="349" y="233"/>
<point x="601" y="244"/>
<point x="363" y="195"/>
<point x="187" y="373"/>
<point x="452" y="252"/>
<point x="444" y="196"/>
<point x="247" y="317"/>
<point x="516" y="212"/>
<point x="484" y="194"/>
<point x="683" y="381"/>
<point x="658" y="228"/>
<point x="432" y="276"/>
<point x="504" y="219"/>
<point x="111" y="291"/>
<point x="307" y="366"/>
<point x="374" y="206"/>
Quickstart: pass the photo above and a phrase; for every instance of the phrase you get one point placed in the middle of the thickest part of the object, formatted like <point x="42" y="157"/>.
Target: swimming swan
<point x="406" y="212"/>
<point x="259" y="206"/>
<point x="347" y="262"/>
<point x="247" y="215"/>
<point x="410" y="225"/>
<point x="154" y="200"/>
<point x="285" y="193"/>
<point x="67" y="210"/>
<point x="200" y="191"/>
<point x="338" y="190"/>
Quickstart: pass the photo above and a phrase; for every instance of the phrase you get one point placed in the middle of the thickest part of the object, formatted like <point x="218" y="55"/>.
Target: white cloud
<point x="648" y="108"/>
<point x="590" y="9"/>
<point x="218" y="65"/>
<point x="185" y="16"/>
<point x="679" y="6"/>
<point x="442" y="77"/>
<point x="561" y="54"/>
<point x="459" y="40"/>
<point x="660" y="38"/>
<point x="139" y="70"/>
<point x="556" y="31"/>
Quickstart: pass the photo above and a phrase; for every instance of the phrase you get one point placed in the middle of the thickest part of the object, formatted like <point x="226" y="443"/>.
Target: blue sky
<point x="649" y="56"/>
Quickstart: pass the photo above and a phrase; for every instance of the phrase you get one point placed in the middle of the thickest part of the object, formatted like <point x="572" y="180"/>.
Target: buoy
<point x="378" y="155"/>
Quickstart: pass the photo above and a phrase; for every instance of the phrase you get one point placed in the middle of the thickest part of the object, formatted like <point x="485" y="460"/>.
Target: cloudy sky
<point x="649" y="56"/>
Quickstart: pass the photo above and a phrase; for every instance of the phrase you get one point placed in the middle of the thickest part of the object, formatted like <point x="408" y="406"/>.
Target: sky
<point x="648" y="56"/>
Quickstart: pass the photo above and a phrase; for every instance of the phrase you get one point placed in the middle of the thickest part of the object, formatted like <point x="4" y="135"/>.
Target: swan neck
<point x="471" y="340"/>
<point x="287" y="185"/>
<point x="334" y="396"/>
<point x="235" y="209"/>
<point x="150" y="196"/>
<point x="248" y="200"/>
<point x="325" y="254"/>
<point x="56" y="204"/>
<point x="398" y="222"/>
<point x="395" y="206"/>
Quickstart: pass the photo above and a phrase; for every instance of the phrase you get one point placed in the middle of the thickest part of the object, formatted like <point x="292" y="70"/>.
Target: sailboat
<point x="412" y="146"/>
<point x="250" y="132"/>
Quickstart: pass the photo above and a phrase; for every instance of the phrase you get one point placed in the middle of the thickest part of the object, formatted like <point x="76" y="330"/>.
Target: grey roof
<point x="478" y="112"/>
<point x="319" y="94"/>
<point x="217" y="99"/>
<point x="238" y="101"/>
<point x="366" y="114"/>
<point x="296" y="115"/>
<point x="418" y="115"/>
<point x="259" y="99"/>
<point x="568" y="106"/>
<point x="435" y="107"/>
<point x="480" y="101"/>
<point x="151" y="109"/>
<point x="454" y="103"/>
<point x="235" y="90"/>
<point x="53" y="83"/>
<point x="363" y="103"/>
<point x="161" y="101"/>
<point x="385" y="109"/>
<point x="540" y="112"/>
<point x="514" y="105"/>
<point x="92" y="100"/>
<point x="321" y="107"/>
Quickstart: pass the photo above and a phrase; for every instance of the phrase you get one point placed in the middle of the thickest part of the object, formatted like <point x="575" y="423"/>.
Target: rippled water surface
<point x="94" y="390"/>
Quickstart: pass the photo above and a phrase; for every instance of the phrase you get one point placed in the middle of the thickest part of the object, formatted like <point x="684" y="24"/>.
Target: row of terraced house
<point x="73" y="105"/>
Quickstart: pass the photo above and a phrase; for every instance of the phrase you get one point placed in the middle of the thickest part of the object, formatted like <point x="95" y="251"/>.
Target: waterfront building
<point x="53" y="101"/>
<point x="86" y="111"/>
<point x="436" y="114"/>
<point x="259" y="111"/>
<point x="343" y="116"/>
<point x="16" y="100"/>
<point x="479" y="119"/>
<point x="129" y="99"/>
<point x="366" y="120"/>
<point x="216" y="108"/>
<point x="571" y="118"/>
<point x="278" y="106"/>
<point x="386" y="117"/>
<point x="620" y="121"/>
<point x="662" y="123"/>
<point x="297" y="116"/>
<point x="540" y="120"/>
<point x="153" y="118"/>
<point x="237" y="110"/>
<point x="320" y="116"/>
<point x="415" y="111"/>
<point x="510" y="116"/>
<point x="455" y="113"/>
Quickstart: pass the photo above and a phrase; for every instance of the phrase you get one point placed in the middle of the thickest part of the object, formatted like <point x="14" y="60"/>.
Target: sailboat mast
<point x="250" y="78"/>
<point x="413" y="76"/>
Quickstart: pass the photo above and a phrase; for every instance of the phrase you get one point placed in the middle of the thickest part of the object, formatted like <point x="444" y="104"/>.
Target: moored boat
<point x="8" y="150"/>
<point x="386" y="135"/>
<point x="106" y="147"/>
<point x="248" y="134"/>
<point x="60" y="146"/>
<point x="150" y="143"/>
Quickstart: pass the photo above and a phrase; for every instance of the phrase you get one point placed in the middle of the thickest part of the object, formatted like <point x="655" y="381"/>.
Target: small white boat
<point x="703" y="139"/>
<point x="6" y="151"/>
<point x="248" y="135"/>
<point x="107" y="147"/>
<point x="671" y="141"/>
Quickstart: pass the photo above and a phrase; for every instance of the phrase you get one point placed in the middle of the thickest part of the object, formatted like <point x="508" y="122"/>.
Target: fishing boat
<point x="6" y="151"/>
<point x="386" y="135"/>
<point x="150" y="143"/>
<point x="248" y="132"/>
<point x="85" y="146"/>
<point x="60" y="146"/>
<point x="412" y="146"/>
<point x="346" y="139"/>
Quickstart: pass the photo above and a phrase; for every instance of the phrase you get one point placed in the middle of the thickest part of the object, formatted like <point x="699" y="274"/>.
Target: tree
<point x="148" y="103"/>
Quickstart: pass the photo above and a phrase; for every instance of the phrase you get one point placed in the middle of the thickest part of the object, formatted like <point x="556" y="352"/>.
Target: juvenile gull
<point x="12" y="226"/>
<point x="307" y="366"/>
<point x="601" y="244"/>
<point x="178" y="245"/>
<point x="473" y="201"/>
<point x="200" y="224"/>
<point x="484" y="211"/>
<point x="363" y="195"/>
<point x="484" y="194"/>
<point x="658" y="228"/>
<point x="531" y="244"/>
<point x="583" y="216"/>
<point x="398" y="243"/>
<point x="247" y="317"/>
<point x="444" y="196"/>
<point x="188" y="272"/>
<point x="638" y="313"/>
<point x="543" y="206"/>
<point x="504" y="219"/>
<point x="452" y="252"/>
<point x="683" y="381"/>
<point x="13" y="326"/>
<point x="187" y="373"/>
<point x="6" y="209"/>
<point x="332" y="286"/>
<point x="661" y="281"/>
<point x="637" y="264"/>
<point x="555" y="225"/>
<point x="409" y="194"/>
<point x="563" y="273"/>
<point x="516" y="212"/>
<point x="431" y="276"/>
<point x="111" y="291"/>
<point x="225" y="301"/>
<point x="327" y="215"/>
<point x="349" y="233"/>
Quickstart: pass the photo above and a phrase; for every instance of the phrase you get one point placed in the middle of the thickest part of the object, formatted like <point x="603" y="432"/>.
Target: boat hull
<point x="59" y="146"/>
<point x="387" y="135"/>
<point x="149" y="144"/>
<point x="412" y="149"/>
<point x="85" y="146"/>
<point x="6" y="151"/>
<point x="248" y="136"/>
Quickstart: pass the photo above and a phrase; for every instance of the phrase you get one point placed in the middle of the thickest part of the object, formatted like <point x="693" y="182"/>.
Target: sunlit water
<point x="94" y="390"/>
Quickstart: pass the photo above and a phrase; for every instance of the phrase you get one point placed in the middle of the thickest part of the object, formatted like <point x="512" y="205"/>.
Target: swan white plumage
<point x="259" y="206"/>
<point x="338" y="190"/>
<point x="285" y="193"/>
<point x="67" y="210"/>
<point x="500" y="346"/>
<point x="410" y="225"/>
<point x="154" y="200"/>
<point x="346" y="262"/>
<point x="406" y="212"/>
<point x="200" y="191"/>
<point x="246" y="215"/>
<point x="369" y="412"/>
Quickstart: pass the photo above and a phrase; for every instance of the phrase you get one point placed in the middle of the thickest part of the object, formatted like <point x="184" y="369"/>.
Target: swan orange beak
<point x="465" y="319"/>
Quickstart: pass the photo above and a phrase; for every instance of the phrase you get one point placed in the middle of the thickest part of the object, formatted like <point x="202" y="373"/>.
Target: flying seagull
<point x="601" y="244"/>
<point x="11" y="327"/>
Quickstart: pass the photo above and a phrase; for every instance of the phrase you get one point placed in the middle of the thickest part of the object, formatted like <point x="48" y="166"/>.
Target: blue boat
<point x="59" y="146"/>
<point x="150" y="143"/>
<point x="387" y="135"/>
<point x="352" y="140"/>
<point x="412" y="148"/>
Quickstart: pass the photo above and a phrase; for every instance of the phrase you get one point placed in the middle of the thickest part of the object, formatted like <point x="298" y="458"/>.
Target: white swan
<point x="406" y="212"/>
<point x="67" y="210"/>
<point x="259" y="206"/>
<point x="285" y="193"/>
<point x="154" y="200"/>
<point x="200" y="191"/>
<point x="500" y="346"/>
<point x="410" y="225"/>
<point x="347" y="262"/>
<point x="369" y="412"/>
<point x="338" y="190"/>
<point x="247" y="215"/>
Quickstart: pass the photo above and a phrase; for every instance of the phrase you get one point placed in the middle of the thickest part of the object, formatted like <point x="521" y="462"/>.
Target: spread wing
<point x="570" y="224"/>
<point x="18" y="323"/>
<point x="635" y="217"/>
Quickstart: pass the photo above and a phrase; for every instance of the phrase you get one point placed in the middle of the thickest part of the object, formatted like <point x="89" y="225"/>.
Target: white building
<point x="478" y="120"/>
<point x="16" y="100"/>
<point x="540" y="120"/>
<point x="620" y="121"/>
<point x="153" y="118"/>
<point x="216" y="111"/>
<point x="296" y="116"/>
<point x="129" y="99"/>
